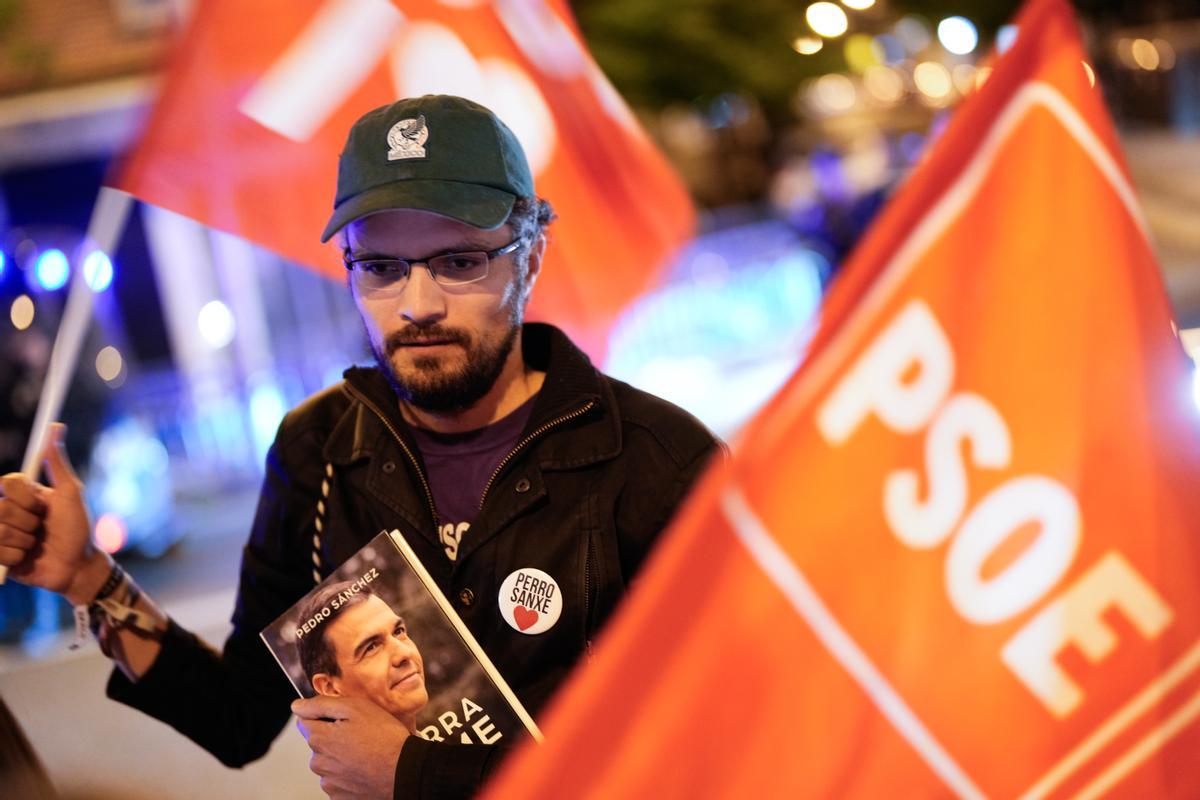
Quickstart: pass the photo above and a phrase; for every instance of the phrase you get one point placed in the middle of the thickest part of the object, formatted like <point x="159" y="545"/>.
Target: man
<point x="362" y="649"/>
<point x="530" y="485"/>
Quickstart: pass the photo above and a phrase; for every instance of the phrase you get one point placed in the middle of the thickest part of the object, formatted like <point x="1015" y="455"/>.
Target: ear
<point x="537" y="251"/>
<point x="326" y="685"/>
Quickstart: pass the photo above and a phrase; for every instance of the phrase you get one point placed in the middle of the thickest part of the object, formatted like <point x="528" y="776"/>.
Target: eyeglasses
<point x="377" y="275"/>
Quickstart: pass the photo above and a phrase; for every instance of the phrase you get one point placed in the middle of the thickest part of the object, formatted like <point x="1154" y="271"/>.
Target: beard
<point x="433" y="385"/>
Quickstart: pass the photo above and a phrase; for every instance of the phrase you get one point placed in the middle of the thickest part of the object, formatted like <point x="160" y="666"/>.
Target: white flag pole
<point x="107" y="223"/>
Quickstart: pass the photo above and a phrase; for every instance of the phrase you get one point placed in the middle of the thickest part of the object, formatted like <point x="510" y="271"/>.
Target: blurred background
<point x="790" y="123"/>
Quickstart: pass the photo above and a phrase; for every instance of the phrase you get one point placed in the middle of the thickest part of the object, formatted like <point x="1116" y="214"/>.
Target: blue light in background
<point x="267" y="408"/>
<point x="332" y="375"/>
<point x="1005" y="36"/>
<point x="52" y="270"/>
<point x="893" y="48"/>
<point x="98" y="270"/>
<point x="729" y="330"/>
<point x="3" y="263"/>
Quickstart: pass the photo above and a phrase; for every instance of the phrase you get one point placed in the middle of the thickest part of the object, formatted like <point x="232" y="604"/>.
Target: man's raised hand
<point x="45" y="535"/>
<point x="354" y="744"/>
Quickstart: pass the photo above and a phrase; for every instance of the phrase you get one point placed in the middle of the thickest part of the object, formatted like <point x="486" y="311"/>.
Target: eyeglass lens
<point x="452" y="269"/>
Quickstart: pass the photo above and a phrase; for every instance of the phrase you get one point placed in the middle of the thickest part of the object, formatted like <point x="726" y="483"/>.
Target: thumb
<point x="58" y="465"/>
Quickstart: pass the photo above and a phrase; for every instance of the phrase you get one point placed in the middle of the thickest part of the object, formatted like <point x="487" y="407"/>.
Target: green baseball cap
<point x="435" y="153"/>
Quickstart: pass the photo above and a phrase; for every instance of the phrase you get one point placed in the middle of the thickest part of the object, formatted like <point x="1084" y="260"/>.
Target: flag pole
<point x="104" y="229"/>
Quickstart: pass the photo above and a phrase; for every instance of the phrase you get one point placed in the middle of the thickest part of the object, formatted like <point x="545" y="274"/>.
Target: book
<point x="379" y="627"/>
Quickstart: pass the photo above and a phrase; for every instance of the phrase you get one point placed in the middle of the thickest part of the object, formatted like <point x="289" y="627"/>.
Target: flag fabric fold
<point x="257" y="101"/>
<point x="956" y="554"/>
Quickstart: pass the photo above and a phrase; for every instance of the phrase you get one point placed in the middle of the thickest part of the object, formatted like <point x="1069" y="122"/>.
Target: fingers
<point x="21" y="510"/>
<point x="11" y="556"/>
<point x="314" y="731"/>
<point x="18" y="539"/>
<point x="321" y="708"/>
<point x="20" y="492"/>
<point x="18" y="520"/>
<point x="58" y="465"/>
<point x="334" y="789"/>
<point x="322" y="764"/>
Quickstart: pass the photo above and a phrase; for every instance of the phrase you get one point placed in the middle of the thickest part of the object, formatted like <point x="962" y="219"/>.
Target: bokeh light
<point x="964" y="78"/>
<point x="932" y="80"/>
<point x="98" y="270"/>
<point x="109" y="364"/>
<point x="1145" y="55"/>
<point x="111" y="533"/>
<point x="958" y="35"/>
<point x="807" y="45"/>
<point x="1006" y="36"/>
<point x="858" y="5"/>
<point x="21" y="312"/>
<point x="833" y="93"/>
<point x="1166" y="54"/>
<point x="862" y="52"/>
<point x="1125" y="52"/>
<point x="827" y="19"/>
<point x="891" y="47"/>
<point x="267" y="407"/>
<point x="913" y="33"/>
<point x="1091" y="73"/>
<point x="884" y="84"/>
<point x="216" y="324"/>
<point x="52" y="270"/>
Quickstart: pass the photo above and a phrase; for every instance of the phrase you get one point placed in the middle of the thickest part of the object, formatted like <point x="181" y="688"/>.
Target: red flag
<point x="257" y="103"/>
<point x="956" y="555"/>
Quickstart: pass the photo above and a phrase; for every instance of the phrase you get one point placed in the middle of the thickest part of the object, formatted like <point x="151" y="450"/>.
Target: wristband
<point x="114" y="580"/>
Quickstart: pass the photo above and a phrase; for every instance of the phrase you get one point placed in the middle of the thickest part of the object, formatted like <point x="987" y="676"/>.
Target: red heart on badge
<point x="525" y="617"/>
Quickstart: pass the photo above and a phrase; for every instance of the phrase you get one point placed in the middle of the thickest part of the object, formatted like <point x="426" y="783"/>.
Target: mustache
<point x="417" y="335"/>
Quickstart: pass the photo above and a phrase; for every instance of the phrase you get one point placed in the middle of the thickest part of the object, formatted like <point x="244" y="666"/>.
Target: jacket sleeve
<point x="235" y="702"/>
<point x="444" y="771"/>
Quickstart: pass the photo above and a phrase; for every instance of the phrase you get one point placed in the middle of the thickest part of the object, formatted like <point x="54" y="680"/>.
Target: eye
<point x="383" y="268"/>
<point x="400" y="631"/>
<point x="462" y="262"/>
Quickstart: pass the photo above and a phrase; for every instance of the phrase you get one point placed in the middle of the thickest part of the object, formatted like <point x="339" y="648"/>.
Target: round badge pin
<point x="530" y="601"/>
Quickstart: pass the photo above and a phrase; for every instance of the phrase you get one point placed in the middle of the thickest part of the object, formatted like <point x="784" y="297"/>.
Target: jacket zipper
<point x="413" y="459"/>
<point x="587" y="599"/>
<point x="586" y="407"/>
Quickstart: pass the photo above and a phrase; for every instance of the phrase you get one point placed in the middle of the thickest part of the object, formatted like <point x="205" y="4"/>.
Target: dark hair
<point x="528" y="220"/>
<point x="316" y="656"/>
<point x="529" y="217"/>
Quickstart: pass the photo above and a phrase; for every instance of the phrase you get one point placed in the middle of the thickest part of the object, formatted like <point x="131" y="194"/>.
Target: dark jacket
<point x="597" y="474"/>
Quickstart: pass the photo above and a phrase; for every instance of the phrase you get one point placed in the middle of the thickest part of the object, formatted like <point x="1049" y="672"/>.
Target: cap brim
<point x="480" y="206"/>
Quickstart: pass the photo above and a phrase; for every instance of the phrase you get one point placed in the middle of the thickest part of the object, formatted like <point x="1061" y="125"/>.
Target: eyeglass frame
<point x="399" y="284"/>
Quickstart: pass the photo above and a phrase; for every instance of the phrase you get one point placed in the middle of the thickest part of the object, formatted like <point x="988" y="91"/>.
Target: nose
<point x="423" y="302"/>
<point x="401" y="651"/>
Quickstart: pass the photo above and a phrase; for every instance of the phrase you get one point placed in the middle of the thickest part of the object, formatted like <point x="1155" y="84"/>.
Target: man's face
<point x="376" y="660"/>
<point x="443" y="347"/>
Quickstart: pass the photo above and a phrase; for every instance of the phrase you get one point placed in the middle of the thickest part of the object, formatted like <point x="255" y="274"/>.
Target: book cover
<point x="378" y="627"/>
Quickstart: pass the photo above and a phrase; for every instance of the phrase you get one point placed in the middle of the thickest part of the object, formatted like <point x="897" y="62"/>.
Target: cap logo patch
<point x="406" y="139"/>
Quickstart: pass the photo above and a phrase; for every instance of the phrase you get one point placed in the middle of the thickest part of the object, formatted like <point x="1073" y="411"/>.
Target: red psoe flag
<point x="957" y="554"/>
<point x="258" y="100"/>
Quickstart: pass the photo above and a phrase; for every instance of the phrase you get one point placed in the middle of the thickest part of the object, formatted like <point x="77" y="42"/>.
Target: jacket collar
<point x="572" y="384"/>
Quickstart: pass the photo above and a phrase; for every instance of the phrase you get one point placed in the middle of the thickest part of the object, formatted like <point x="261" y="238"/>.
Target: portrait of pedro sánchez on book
<point x="378" y="628"/>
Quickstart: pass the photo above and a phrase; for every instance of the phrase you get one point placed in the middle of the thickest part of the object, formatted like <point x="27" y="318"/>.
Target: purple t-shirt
<point x="459" y="466"/>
